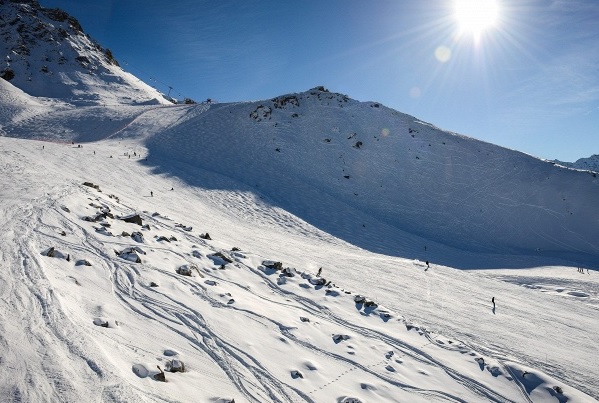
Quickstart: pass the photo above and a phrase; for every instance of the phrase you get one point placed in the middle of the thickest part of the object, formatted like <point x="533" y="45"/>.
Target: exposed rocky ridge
<point x="47" y="54"/>
<point x="587" y="164"/>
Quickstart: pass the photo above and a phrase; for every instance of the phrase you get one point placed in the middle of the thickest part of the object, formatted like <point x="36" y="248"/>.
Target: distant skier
<point x="172" y="188"/>
<point x="427" y="265"/>
<point x="493" y="301"/>
<point x="151" y="194"/>
<point x="319" y="271"/>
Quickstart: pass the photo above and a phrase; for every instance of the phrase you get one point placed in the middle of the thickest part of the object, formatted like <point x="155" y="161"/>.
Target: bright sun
<point x="476" y="16"/>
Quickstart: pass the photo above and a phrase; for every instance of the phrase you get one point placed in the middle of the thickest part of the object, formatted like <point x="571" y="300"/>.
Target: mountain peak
<point x="48" y="54"/>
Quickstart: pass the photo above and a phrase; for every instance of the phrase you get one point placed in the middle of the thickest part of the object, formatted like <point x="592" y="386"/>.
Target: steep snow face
<point x="389" y="182"/>
<point x="47" y="54"/>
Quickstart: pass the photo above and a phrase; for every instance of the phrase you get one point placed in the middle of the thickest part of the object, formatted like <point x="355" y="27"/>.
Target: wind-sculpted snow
<point x="363" y="328"/>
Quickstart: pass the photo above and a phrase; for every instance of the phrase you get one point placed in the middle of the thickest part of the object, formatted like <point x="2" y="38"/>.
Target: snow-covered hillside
<point x="267" y="182"/>
<point x="47" y="54"/>
<point x="306" y="248"/>
<point x="390" y="183"/>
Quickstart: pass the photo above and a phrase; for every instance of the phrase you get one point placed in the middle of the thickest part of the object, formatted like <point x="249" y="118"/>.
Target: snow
<point x="52" y="57"/>
<point x="306" y="248"/>
<point x="589" y="164"/>
<point x="247" y="332"/>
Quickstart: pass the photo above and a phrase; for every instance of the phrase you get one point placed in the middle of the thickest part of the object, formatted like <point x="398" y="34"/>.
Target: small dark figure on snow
<point x="319" y="271"/>
<point x="493" y="301"/>
<point x="172" y="188"/>
<point x="151" y="194"/>
<point x="428" y="265"/>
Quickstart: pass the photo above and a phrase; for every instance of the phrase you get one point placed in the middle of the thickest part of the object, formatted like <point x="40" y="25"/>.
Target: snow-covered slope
<point x="389" y="183"/>
<point x="244" y="331"/>
<point x="353" y="199"/>
<point x="267" y="182"/>
<point x="47" y="54"/>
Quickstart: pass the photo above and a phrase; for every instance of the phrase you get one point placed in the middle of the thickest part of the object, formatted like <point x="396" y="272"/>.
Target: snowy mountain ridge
<point x="434" y="194"/>
<point x="296" y="249"/>
<point x="588" y="164"/>
<point x="47" y="54"/>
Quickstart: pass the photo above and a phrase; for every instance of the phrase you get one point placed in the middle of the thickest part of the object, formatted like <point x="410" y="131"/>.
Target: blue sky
<point x="530" y="82"/>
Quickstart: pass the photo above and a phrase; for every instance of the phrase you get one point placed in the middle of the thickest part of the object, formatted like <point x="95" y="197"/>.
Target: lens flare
<point x="415" y="92"/>
<point x="443" y="54"/>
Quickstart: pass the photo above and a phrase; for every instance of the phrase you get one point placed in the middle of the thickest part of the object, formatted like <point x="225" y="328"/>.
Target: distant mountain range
<point x="587" y="164"/>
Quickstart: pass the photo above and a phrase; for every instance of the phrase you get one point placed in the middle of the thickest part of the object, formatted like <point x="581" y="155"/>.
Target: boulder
<point x="184" y="227"/>
<point x="131" y="254"/>
<point x="132" y="218"/>
<point x="287" y="271"/>
<point x="272" y="264"/>
<point x="91" y="185"/>
<point x="318" y="281"/>
<point x="186" y="269"/>
<point x="174" y="366"/>
<point x="370" y="304"/>
<point x="220" y="258"/>
<point x="337" y="338"/>
<point x="51" y="252"/>
<point x="137" y="236"/>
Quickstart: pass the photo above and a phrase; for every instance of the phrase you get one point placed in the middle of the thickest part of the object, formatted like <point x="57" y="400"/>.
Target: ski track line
<point x="195" y="322"/>
<point x="52" y="314"/>
<point x="412" y="351"/>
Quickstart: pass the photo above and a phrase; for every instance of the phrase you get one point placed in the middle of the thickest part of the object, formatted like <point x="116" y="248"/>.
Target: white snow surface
<point x="272" y="186"/>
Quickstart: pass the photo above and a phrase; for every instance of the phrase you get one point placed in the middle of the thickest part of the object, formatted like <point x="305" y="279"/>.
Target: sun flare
<point x="476" y="16"/>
